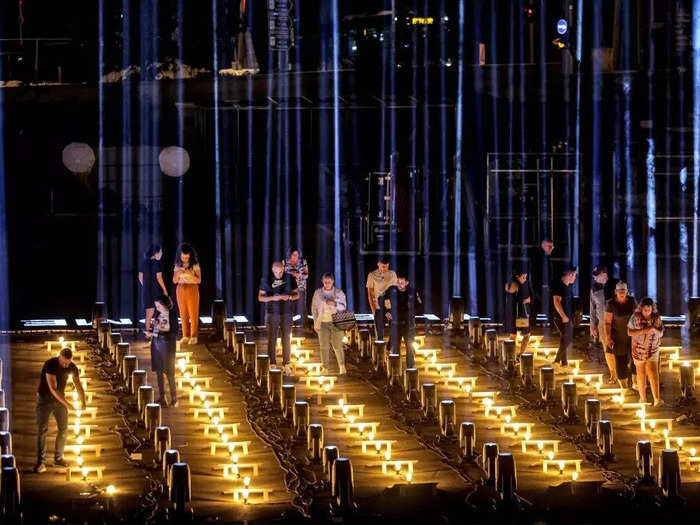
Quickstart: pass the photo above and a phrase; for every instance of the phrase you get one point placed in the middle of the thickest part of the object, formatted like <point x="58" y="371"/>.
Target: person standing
<point x="278" y="292"/>
<point x="163" y="336"/>
<point x="402" y="316"/>
<point x="646" y="329"/>
<point x="51" y="399"/>
<point x="563" y="311"/>
<point x="378" y="282"/>
<point x="517" y="308"/>
<point x="543" y="276"/>
<point x="297" y="267"/>
<point x="151" y="279"/>
<point x="327" y="301"/>
<point x="618" y="311"/>
<point x="597" y="317"/>
<point x="188" y="275"/>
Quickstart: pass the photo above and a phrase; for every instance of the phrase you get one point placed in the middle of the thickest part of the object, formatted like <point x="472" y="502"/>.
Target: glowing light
<point x="79" y="440"/>
<point x="550" y="455"/>
<point x="79" y="460"/>
<point x="246" y="481"/>
<point x="409" y="476"/>
<point x="111" y="490"/>
<point x="574" y="475"/>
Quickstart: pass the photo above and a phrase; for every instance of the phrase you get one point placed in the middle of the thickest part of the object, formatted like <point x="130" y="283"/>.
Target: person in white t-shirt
<point x="327" y="301"/>
<point x="378" y="282"/>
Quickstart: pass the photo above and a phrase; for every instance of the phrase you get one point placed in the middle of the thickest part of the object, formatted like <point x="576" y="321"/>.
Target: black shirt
<point x="150" y="268"/>
<point x="272" y="286"/>
<point x="567" y="298"/>
<point x="403" y="303"/>
<point x="53" y="367"/>
<point x="621" y="316"/>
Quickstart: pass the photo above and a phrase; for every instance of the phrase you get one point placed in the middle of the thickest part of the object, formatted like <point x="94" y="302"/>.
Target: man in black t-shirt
<point x="562" y="312"/>
<point x="51" y="400"/>
<point x="402" y="316"/>
<point x="277" y="292"/>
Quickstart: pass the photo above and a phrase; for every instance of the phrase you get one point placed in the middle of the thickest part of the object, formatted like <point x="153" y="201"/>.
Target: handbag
<point x="344" y="320"/>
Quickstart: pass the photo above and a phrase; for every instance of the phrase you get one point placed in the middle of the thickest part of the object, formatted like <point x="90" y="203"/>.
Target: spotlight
<point x="506" y="479"/>
<point x="229" y="338"/>
<point x="467" y="438"/>
<point x="10" y="495"/>
<point x="508" y="355"/>
<point x="138" y="379"/>
<point x="475" y="332"/>
<point x="429" y="399"/>
<point x="314" y="441"/>
<point x="492" y="344"/>
<point x="288" y="400"/>
<point x="605" y="437"/>
<point x="274" y="387"/>
<point x="249" y="354"/>
<point x="145" y="396"/>
<point x="490" y="453"/>
<point x="364" y="343"/>
<point x="262" y="368"/>
<point x="547" y="383"/>
<point x="7" y="460"/>
<point x="645" y="460"/>
<point x="687" y="373"/>
<point x="410" y="384"/>
<point x="152" y="418"/>
<point x="218" y="316"/>
<point x="342" y="485"/>
<point x="592" y="414"/>
<point x="170" y="457"/>
<point x="129" y="364"/>
<point x="161" y="443"/>
<point x="98" y="314"/>
<point x="456" y="313"/>
<point x="121" y="350"/>
<point x="301" y="418"/>
<point x="4" y="420"/>
<point x="378" y="355"/>
<point x="179" y="483"/>
<point x="239" y="338"/>
<point x="448" y="417"/>
<point x="527" y="368"/>
<point x="669" y="473"/>
<point x="394" y="370"/>
<point x="330" y="454"/>
<point x="5" y="442"/>
<point x="568" y="399"/>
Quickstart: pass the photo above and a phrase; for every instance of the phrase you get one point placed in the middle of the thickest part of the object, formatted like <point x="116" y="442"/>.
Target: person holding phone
<point x="163" y="336"/>
<point x="328" y="300"/>
<point x="278" y="292"/>
<point x="188" y="276"/>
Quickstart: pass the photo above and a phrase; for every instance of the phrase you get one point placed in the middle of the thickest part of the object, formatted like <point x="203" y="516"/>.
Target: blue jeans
<point x="276" y="323"/>
<point x="329" y="335"/>
<point x="44" y="408"/>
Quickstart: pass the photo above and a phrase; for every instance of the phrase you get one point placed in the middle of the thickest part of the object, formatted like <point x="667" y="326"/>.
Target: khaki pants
<point x="188" y="303"/>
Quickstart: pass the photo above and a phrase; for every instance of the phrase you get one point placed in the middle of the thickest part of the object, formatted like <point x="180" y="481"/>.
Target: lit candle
<point x="409" y="477"/>
<point x="246" y="481"/>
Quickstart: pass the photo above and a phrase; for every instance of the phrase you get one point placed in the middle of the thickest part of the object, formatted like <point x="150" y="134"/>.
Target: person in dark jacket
<point x="163" y="336"/>
<point x="403" y="299"/>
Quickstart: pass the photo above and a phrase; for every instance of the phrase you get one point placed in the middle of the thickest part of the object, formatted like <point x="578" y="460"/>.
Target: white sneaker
<point x="193" y="340"/>
<point x="659" y="403"/>
<point x="342" y="370"/>
<point x="184" y="340"/>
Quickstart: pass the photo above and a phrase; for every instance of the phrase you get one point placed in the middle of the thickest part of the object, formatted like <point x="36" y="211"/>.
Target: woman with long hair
<point x="296" y="266"/>
<point x="188" y="275"/>
<point x="646" y="329"/>
<point x="151" y="279"/>
<point x="163" y="336"/>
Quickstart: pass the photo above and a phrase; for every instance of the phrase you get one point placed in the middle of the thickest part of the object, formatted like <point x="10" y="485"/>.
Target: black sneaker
<point x="60" y="462"/>
<point x="39" y="468"/>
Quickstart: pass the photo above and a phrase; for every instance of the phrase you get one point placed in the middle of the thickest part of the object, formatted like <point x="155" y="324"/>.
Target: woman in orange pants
<point x="187" y="275"/>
